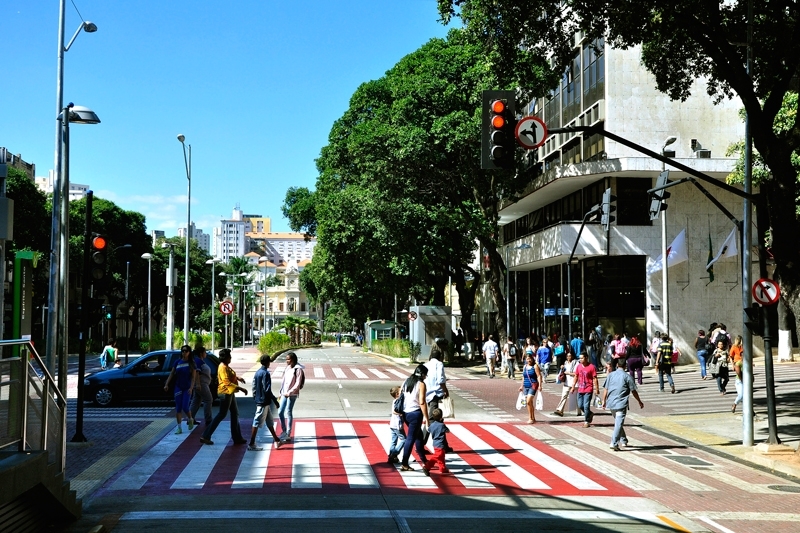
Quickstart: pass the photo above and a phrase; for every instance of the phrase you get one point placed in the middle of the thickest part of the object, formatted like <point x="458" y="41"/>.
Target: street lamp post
<point x="170" y="294"/>
<point x="213" y="262"/>
<point x="149" y="258"/>
<point x="664" y="259"/>
<point x="523" y="246"/>
<point x="60" y="212"/>
<point x="187" y="161"/>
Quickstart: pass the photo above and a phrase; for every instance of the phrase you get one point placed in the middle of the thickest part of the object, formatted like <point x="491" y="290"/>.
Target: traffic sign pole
<point x="769" y="371"/>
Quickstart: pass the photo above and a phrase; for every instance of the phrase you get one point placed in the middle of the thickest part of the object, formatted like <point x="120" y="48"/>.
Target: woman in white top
<point x="415" y="413"/>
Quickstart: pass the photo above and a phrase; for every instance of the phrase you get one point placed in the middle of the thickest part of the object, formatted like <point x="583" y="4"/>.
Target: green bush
<point x="273" y="342"/>
<point x="392" y="347"/>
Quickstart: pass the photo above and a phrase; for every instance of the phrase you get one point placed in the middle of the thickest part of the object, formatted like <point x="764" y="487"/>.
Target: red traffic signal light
<point x="497" y="136"/>
<point x="99" y="243"/>
<point x="498" y="106"/>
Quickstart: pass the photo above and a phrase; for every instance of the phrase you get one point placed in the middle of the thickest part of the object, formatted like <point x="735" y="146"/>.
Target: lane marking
<point x="306" y="473"/>
<point x="339" y="373"/>
<point x="359" y="374"/>
<point x="378" y="373"/>
<point x="675" y="525"/>
<point x="196" y="473"/>
<point x="346" y="403"/>
<point x="319" y="372"/>
<point x="356" y="465"/>
<point x="710" y="522"/>
<point x="397" y="373"/>
<point x="253" y="468"/>
<point x="413" y="480"/>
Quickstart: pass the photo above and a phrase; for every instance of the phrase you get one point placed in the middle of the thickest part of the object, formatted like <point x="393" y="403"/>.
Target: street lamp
<point x="664" y="259"/>
<point x="149" y="258"/>
<point x="213" y="262"/>
<point x="187" y="161"/>
<point x="170" y="294"/>
<point x="523" y="246"/>
<point x="59" y="235"/>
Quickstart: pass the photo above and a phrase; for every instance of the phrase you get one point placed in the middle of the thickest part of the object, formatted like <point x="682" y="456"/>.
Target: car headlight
<point x="85" y="382"/>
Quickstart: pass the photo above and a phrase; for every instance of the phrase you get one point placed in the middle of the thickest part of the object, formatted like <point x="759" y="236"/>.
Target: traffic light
<point x="606" y="208"/>
<point x="106" y="311"/>
<point x="658" y="202"/>
<point x="497" y="130"/>
<point x="99" y="263"/>
<point x="755" y="320"/>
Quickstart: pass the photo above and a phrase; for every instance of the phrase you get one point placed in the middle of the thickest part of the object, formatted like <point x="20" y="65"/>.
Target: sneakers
<point x="282" y="436"/>
<point x="206" y="441"/>
<point x="190" y="423"/>
<point x="286" y="440"/>
<point x="254" y="448"/>
<point x="179" y="431"/>
<point x="673" y="390"/>
<point x="558" y="413"/>
<point x="278" y="444"/>
<point x="614" y="448"/>
<point x="586" y="424"/>
<point x="624" y="442"/>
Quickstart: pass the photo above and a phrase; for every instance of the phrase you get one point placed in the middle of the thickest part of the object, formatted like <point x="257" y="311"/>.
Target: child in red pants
<point x="437" y="431"/>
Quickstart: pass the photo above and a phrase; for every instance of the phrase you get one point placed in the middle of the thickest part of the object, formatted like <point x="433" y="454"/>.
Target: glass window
<point x="633" y="202"/>
<point x="594" y="148"/>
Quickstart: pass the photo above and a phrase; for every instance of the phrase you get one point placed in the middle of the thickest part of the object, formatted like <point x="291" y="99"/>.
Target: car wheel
<point x="103" y="397"/>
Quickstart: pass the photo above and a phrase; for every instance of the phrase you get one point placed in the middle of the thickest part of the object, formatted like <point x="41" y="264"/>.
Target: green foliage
<point x="337" y="318"/>
<point x="273" y="342"/>
<point x="398" y="348"/>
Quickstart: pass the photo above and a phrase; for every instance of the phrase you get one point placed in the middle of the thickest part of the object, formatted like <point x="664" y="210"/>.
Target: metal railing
<point x="33" y="411"/>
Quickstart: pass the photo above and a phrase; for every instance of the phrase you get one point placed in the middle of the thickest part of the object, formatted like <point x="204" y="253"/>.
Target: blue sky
<point x="255" y="87"/>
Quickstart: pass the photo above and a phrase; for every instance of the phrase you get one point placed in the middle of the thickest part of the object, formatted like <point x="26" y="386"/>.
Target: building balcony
<point x="552" y="246"/>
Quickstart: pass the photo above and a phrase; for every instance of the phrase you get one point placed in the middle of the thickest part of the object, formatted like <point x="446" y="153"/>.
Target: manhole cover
<point x="560" y="442"/>
<point x="376" y="401"/>
<point x="689" y="461"/>
<point x="785" y="488"/>
<point x="654" y="451"/>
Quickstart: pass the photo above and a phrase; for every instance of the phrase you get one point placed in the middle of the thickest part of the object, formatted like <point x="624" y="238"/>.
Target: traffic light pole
<point x="769" y="371"/>
<point x="87" y="237"/>
<point x="593" y="211"/>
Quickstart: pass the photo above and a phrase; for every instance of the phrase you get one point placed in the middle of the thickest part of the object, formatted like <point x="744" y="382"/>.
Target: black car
<point x="142" y="379"/>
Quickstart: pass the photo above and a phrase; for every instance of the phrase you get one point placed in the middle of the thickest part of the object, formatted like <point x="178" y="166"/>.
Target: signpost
<point x="226" y="307"/>
<point x="766" y="291"/>
<point x="412" y="315"/>
<point x="531" y="132"/>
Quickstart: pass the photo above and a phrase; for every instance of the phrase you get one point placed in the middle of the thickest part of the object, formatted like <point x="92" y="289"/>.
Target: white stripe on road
<point x="339" y="373"/>
<point x="579" y="481"/>
<point x="196" y="473"/>
<point x="378" y="373"/>
<point x="137" y="475"/>
<point x="397" y="373"/>
<point x="359" y="374"/>
<point x="319" y="372"/>
<point x="463" y="472"/>
<point x="346" y="402"/>
<point x="356" y="465"/>
<point x="710" y="522"/>
<point x="306" y="473"/>
<point x="413" y="480"/>
<point x="501" y="462"/>
<point x="253" y="468"/>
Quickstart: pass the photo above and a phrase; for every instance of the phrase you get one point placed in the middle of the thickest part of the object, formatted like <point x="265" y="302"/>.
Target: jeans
<point x="511" y="363"/>
<point x="414" y="437"/>
<point x="739" y="391"/>
<point x="226" y="402"/>
<point x="285" y="413"/>
<point x="202" y="394"/>
<point x="619" y="429"/>
<point x="398" y="441"/>
<point x="545" y="369"/>
<point x="593" y="355"/>
<point x="701" y="356"/>
<point x="585" y="404"/>
<point x="662" y="370"/>
<point x="722" y="378"/>
<point x="635" y="365"/>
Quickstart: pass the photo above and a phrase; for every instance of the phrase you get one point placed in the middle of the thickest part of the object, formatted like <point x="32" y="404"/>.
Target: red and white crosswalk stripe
<point x="334" y="456"/>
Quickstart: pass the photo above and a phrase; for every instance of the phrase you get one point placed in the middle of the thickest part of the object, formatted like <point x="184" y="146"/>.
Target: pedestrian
<point x="109" y="354"/>
<point x="609" y="349"/>
<point x="701" y="344"/>
<point x="202" y="388"/>
<point x="183" y="371"/>
<point x="591" y="344"/>
<point x="415" y="413"/>
<point x="397" y="429"/>
<point x="618" y="387"/>
<point x="510" y="352"/>
<point x="459" y="342"/>
<point x="490" y="354"/>
<point x="568" y="369"/>
<point x="438" y="433"/>
<point x="635" y="359"/>
<point x="736" y="357"/>
<point x="264" y="400"/>
<point x="577" y="345"/>
<point x="531" y="378"/>
<point x="619" y="347"/>
<point x="543" y="357"/>
<point x="719" y="361"/>
<point x="436" y="381"/>
<point x="293" y="380"/>
<point x="664" y="363"/>
<point x="721" y="335"/>
<point x="586" y="384"/>
<point x="338" y="338"/>
<point x="655" y="342"/>
<point x="227" y="389"/>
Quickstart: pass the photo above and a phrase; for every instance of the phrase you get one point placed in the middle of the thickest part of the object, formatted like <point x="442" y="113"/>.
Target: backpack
<point x="399" y="403"/>
<point x="512" y="350"/>
<point x="302" y="379"/>
<point x="559" y="349"/>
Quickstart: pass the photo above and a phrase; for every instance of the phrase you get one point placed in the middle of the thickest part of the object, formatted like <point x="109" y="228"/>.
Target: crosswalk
<point x="131" y="411"/>
<point x="328" y="456"/>
<point x="325" y="372"/>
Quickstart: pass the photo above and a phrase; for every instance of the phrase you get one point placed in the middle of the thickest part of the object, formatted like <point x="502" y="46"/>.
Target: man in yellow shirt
<point x="228" y="387"/>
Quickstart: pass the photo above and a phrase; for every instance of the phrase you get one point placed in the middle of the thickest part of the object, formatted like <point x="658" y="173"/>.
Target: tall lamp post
<point x="57" y="278"/>
<point x="187" y="161"/>
<point x="125" y="301"/>
<point x="664" y="259"/>
<point x="264" y="259"/>
<point x="523" y="246"/>
<point x="170" y="294"/>
<point x="213" y="262"/>
<point x="149" y="258"/>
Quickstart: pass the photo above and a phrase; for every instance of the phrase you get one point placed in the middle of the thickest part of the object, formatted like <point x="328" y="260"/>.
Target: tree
<point x="401" y="200"/>
<point x="681" y="41"/>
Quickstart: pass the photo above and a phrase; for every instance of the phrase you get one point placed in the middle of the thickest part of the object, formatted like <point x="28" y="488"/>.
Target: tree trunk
<point x="496" y="282"/>
<point x="466" y="301"/>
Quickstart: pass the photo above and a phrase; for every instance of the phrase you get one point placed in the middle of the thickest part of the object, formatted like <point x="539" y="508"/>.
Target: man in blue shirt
<point x="577" y="344"/>
<point x="543" y="357"/>
<point x="265" y="399"/>
<point x="618" y="387"/>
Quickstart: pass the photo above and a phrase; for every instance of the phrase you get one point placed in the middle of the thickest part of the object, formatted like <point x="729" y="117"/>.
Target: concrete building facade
<point x="203" y="239"/>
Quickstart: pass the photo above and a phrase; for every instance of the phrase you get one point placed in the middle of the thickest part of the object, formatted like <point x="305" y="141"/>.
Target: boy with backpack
<point x="510" y="353"/>
<point x="264" y="398"/>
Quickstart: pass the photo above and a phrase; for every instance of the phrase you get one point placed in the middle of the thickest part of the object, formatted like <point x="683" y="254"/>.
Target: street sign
<point x="766" y="291"/>
<point x="226" y="308"/>
<point x="530" y="132"/>
<point x="412" y="315"/>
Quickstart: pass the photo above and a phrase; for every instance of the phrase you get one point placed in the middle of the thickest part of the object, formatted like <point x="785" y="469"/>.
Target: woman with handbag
<point x="531" y="377"/>
<point x="719" y="362"/>
<point x="567" y="374"/>
<point x="415" y="413"/>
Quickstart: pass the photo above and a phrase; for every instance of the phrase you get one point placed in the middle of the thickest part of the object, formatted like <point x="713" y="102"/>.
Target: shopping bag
<point x="572" y="402"/>
<point x="448" y="410"/>
<point x="521" y="401"/>
<point x="598" y="401"/>
<point x="539" y="402"/>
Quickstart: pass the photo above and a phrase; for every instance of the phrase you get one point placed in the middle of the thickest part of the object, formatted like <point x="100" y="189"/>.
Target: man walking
<point x="490" y="353"/>
<point x="586" y="383"/>
<point x="577" y="344"/>
<point x="262" y="395"/>
<point x="664" y="363"/>
<point x="293" y="380"/>
<point x="202" y="388"/>
<point x="619" y="385"/>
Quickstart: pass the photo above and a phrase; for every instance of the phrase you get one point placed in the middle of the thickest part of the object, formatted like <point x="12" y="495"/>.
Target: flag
<point x="677" y="252"/>
<point x="710" y="267"/>
<point x="728" y="249"/>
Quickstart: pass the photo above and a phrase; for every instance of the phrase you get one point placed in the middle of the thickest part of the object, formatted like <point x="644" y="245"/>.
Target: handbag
<point x="447" y="407"/>
<point x="521" y="402"/>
